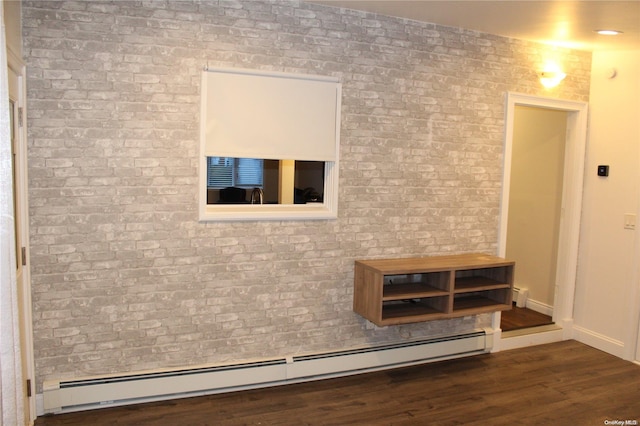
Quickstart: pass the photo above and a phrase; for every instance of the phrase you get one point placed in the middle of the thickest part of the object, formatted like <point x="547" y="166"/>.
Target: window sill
<point x="257" y="212"/>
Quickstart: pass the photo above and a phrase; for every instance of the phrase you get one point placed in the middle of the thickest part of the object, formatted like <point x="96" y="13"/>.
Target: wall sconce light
<point x="608" y="32"/>
<point x="551" y="78"/>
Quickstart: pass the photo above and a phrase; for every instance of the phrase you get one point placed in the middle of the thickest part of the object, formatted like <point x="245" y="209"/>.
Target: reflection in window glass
<point x="223" y="172"/>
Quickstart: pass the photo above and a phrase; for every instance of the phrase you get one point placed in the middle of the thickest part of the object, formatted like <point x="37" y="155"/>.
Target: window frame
<point x="326" y="210"/>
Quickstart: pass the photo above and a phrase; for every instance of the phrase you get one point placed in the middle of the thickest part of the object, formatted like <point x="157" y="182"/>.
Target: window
<point x="272" y="131"/>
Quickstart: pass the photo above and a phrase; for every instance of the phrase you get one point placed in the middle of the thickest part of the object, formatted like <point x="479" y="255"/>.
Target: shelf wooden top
<point x="415" y="265"/>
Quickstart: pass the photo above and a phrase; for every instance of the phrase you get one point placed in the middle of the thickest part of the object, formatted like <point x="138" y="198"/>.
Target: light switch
<point x="629" y="221"/>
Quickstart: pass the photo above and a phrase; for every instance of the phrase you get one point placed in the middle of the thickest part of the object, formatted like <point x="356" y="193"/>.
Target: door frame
<point x="571" y="206"/>
<point x="17" y="66"/>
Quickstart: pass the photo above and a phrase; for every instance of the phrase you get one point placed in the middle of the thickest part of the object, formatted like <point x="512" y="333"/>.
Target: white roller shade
<point x="271" y="116"/>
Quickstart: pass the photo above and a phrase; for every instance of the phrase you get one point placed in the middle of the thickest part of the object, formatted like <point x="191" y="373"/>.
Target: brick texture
<point x="124" y="276"/>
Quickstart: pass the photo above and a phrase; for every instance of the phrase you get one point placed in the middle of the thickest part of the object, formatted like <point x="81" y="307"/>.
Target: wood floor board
<point x="559" y="383"/>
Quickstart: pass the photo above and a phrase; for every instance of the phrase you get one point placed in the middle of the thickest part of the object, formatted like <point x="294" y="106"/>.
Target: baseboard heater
<point x="109" y="391"/>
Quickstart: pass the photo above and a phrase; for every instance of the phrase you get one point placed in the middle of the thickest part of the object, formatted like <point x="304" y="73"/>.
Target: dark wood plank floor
<point x="565" y="383"/>
<point x="518" y="318"/>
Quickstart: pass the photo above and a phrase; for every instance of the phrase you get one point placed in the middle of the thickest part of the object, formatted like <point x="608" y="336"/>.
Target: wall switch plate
<point x="629" y="221"/>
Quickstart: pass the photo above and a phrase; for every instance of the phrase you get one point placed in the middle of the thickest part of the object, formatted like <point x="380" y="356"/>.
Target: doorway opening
<point x="545" y="143"/>
<point x="535" y="195"/>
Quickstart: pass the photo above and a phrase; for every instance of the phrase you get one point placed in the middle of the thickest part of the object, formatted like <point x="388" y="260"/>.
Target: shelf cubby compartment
<point x="398" y="291"/>
<point x="479" y="290"/>
<point x="406" y="286"/>
<point x="469" y="280"/>
<point x="419" y="309"/>
<point x="482" y="301"/>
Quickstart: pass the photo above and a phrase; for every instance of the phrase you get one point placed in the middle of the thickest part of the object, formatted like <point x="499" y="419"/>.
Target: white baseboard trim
<point x="540" y="307"/>
<point x="598" y="341"/>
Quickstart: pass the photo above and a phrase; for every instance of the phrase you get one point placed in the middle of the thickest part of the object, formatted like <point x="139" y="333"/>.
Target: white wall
<point x="606" y="290"/>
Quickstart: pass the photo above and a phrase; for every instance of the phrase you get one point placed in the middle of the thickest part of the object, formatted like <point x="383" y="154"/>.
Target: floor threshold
<point x="530" y="330"/>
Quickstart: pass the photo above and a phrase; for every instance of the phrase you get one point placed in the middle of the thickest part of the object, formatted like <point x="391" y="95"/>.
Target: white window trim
<point x="326" y="210"/>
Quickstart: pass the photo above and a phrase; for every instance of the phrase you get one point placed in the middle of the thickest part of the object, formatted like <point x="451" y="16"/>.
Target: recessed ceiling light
<point x="608" y="32"/>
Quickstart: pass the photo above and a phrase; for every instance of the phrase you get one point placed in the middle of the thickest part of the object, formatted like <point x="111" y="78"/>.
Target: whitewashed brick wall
<point x="125" y="278"/>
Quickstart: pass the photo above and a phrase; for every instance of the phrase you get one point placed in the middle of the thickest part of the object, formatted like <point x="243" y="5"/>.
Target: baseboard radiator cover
<point x="109" y="391"/>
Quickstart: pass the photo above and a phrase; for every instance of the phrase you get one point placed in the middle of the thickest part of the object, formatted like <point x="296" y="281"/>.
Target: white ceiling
<point x="563" y="23"/>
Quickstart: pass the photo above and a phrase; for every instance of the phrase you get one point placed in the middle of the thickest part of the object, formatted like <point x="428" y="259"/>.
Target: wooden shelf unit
<point x="400" y="291"/>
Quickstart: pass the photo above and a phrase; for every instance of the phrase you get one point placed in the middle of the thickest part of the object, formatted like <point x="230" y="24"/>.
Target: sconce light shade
<point x="551" y="78"/>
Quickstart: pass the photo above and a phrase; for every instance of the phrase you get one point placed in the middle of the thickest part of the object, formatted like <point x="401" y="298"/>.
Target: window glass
<point x="233" y="180"/>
